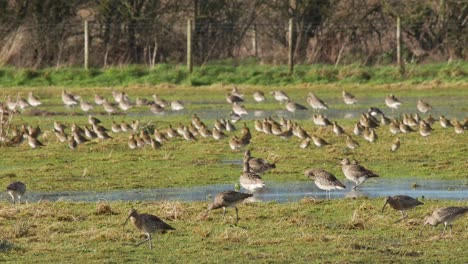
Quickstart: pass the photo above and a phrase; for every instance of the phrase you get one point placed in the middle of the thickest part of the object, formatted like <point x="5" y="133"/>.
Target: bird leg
<point x="224" y="212"/>
<point x="147" y="239"/>
<point x="237" y="215"/>
<point x="403" y="216"/>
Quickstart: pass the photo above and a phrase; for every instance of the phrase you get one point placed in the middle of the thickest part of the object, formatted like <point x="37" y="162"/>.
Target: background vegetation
<point x="49" y="33"/>
<point x="227" y="72"/>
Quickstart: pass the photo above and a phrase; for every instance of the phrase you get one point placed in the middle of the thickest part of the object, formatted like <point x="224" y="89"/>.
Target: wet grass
<point x="111" y="165"/>
<point x="307" y="231"/>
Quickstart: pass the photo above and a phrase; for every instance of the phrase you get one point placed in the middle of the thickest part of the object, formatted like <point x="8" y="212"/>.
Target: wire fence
<point x="148" y="42"/>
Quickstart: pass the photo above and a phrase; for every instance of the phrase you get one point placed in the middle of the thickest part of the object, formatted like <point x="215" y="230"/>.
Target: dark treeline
<point x="49" y="33"/>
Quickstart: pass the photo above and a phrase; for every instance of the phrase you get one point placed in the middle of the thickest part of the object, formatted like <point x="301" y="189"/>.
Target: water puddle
<point x="275" y="191"/>
<point x="450" y="106"/>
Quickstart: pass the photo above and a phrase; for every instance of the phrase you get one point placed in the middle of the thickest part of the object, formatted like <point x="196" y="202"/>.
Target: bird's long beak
<point x="383" y="208"/>
<point x="126" y="221"/>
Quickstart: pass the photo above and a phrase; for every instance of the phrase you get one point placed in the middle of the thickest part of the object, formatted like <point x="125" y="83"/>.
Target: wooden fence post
<point x="401" y="65"/>
<point x="291" y="46"/>
<point x="86" y="47"/>
<point x="189" y="46"/>
<point x="398" y="40"/>
<point x="254" y="40"/>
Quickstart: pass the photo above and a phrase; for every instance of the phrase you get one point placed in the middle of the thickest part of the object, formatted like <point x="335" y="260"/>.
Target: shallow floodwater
<point x="274" y="191"/>
<point x="450" y="106"/>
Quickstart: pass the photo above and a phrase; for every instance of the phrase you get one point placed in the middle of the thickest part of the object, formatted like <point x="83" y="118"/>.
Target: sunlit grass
<point x="299" y="232"/>
<point x="111" y="165"/>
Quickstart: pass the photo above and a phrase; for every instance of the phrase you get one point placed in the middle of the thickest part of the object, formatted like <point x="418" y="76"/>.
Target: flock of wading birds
<point x="250" y="178"/>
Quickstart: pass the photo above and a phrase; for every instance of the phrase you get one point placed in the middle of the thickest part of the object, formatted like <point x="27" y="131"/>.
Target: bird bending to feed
<point x="228" y="199"/>
<point x="324" y="180"/>
<point x="356" y="173"/>
<point x="16" y="190"/>
<point x="148" y="224"/>
<point x="258" y="165"/>
<point x="401" y="203"/>
<point x="445" y="215"/>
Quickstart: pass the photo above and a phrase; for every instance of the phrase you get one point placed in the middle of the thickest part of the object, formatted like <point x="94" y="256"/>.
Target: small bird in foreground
<point x="401" y="203"/>
<point x="445" y="215"/>
<point x="148" y="224"/>
<point x="228" y="199"/>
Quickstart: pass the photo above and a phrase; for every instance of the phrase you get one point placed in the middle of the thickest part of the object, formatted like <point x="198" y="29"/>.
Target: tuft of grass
<point x="104" y="209"/>
<point x="21" y="228"/>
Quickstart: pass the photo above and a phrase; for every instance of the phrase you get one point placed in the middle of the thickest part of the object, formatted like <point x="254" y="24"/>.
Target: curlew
<point x="392" y="102"/>
<point x="148" y="224"/>
<point x="356" y="173"/>
<point x="33" y="100"/>
<point x="293" y="107"/>
<point x="348" y="98"/>
<point x="445" y="215"/>
<point x="258" y="165"/>
<point x="231" y="98"/>
<point x="228" y="199"/>
<point x="249" y="180"/>
<point x="85" y="106"/>
<point x="34" y="142"/>
<point x="177" y="106"/>
<point x="16" y="190"/>
<point x="315" y="102"/>
<point x="351" y="143"/>
<point x="69" y="99"/>
<point x="423" y="106"/>
<point x="401" y="203"/>
<point x="239" y="109"/>
<point x="259" y="96"/>
<point x="280" y="96"/>
<point x="395" y="145"/>
<point x="324" y="180"/>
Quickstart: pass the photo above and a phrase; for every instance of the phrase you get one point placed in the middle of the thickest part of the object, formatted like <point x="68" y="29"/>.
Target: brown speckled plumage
<point x="148" y="224"/>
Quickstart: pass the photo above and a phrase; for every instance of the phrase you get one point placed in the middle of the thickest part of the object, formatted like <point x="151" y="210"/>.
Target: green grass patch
<point x="307" y="231"/>
<point x="229" y="72"/>
<point x="111" y="165"/>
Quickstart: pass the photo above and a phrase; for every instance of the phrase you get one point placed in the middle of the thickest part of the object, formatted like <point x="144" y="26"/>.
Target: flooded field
<point x="278" y="192"/>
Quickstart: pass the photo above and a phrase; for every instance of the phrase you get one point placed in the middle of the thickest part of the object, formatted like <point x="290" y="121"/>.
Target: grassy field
<point x="229" y="72"/>
<point x="308" y="231"/>
<point x="111" y="165"/>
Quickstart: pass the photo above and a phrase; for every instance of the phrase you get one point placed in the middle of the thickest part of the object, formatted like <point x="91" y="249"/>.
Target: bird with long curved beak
<point x="401" y="203"/>
<point x="445" y="215"/>
<point x="148" y="224"/>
